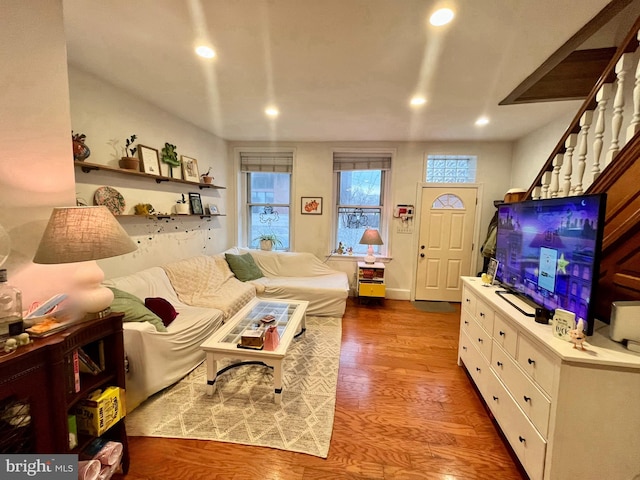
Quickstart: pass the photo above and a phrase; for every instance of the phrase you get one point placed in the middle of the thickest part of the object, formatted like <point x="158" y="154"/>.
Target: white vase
<point x="266" y="245"/>
<point x="182" y="208"/>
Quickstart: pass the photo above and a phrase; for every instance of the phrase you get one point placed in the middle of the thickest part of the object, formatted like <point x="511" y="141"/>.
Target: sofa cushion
<point x="161" y="308"/>
<point x="134" y="309"/>
<point x="243" y="266"/>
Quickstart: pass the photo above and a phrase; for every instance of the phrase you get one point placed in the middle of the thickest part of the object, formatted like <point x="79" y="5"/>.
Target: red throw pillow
<point x="161" y="308"/>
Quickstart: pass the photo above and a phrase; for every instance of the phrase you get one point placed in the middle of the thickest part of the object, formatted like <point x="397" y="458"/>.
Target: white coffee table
<point x="290" y="321"/>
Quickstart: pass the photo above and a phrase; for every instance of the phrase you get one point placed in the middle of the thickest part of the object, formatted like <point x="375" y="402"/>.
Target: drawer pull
<point x="531" y="362"/>
<point x="499" y="364"/>
<point x="527" y="399"/>
<point x="495" y="398"/>
<point x="522" y="439"/>
<point x="480" y="340"/>
<point x="464" y="348"/>
<point x="478" y="369"/>
<point x="501" y="333"/>
<point x="467" y="300"/>
<point x="466" y="322"/>
<point x="481" y="314"/>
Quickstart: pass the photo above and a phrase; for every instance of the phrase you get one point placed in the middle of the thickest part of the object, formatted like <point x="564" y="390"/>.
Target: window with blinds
<point x="361" y="182"/>
<point x="267" y="196"/>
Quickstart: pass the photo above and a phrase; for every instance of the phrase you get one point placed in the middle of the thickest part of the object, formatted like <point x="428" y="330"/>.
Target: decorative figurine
<point x="577" y="336"/>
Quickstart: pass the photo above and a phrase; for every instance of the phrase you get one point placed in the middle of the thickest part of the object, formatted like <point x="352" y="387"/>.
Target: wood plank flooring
<point x="404" y="410"/>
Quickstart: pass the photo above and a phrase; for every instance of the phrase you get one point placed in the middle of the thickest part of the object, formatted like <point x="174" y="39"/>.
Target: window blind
<point x="361" y="161"/>
<point x="280" y="162"/>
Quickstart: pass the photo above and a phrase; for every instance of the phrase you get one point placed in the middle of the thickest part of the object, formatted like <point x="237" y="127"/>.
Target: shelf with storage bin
<point x="88" y="167"/>
<point x="371" y="280"/>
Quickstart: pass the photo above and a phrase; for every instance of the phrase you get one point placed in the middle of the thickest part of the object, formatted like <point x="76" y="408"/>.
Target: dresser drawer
<point x="484" y="314"/>
<point x="537" y="364"/>
<point x="505" y="335"/>
<point x="531" y="399"/>
<point x="469" y="301"/>
<point x="477" y="367"/>
<point x="527" y="443"/>
<point x="371" y="290"/>
<point x="481" y="339"/>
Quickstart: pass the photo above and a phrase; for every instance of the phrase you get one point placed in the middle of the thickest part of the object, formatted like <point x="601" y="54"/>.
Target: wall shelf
<point x="171" y="215"/>
<point x="88" y="167"/>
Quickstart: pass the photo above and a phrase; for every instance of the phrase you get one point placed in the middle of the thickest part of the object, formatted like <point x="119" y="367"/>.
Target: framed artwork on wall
<point x="150" y="160"/>
<point x="311" y="206"/>
<point x="213" y="209"/>
<point x="190" y="169"/>
<point x="196" y="204"/>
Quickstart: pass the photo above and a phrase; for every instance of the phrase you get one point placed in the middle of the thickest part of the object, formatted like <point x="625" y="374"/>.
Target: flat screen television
<point x="549" y="252"/>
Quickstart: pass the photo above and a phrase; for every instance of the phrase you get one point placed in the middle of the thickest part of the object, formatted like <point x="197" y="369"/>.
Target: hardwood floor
<point x="404" y="410"/>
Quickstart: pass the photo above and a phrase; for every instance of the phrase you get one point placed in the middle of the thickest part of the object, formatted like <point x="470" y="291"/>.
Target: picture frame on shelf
<point x="311" y="206"/>
<point x="213" y="209"/>
<point x="150" y="159"/>
<point x="190" y="169"/>
<point x="196" y="204"/>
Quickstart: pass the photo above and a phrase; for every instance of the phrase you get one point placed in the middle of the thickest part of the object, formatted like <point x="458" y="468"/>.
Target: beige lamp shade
<point x="79" y="234"/>
<point x="370" y="237"/>
<point x="82" y="234"/>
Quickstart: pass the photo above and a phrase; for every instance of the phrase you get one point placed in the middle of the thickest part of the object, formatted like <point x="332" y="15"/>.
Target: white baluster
<point x="622" y="67"/>
<point x="570" y="145"/>
<point x="535" y="193"/>
<point x="634" y="126"/>
<point x="602" y="97"/>
<point x="555" y="176"/>
<point x="585" y="124"/>
<point x="546" y="183"/>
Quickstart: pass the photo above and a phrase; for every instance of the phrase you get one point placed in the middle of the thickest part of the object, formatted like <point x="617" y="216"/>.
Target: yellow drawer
<point x="371" y="290"/>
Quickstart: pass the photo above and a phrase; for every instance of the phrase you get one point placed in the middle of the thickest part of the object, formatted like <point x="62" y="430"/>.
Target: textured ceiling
<point x="336" y="69"/>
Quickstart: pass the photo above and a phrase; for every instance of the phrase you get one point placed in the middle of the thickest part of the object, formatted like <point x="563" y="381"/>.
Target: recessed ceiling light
<point x="418" y="100"/>
<point x="272" y="112"/>
<point x="441" y="17"/>
<point x="482" y="121"/>
<point x="205" y="52"/>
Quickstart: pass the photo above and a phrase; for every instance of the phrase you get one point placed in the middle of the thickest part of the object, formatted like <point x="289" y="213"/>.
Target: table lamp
<point x="81" y="234"/>
<point x="370" y="237"/>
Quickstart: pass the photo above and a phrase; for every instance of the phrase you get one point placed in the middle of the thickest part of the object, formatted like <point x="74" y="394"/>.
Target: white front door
<point x="447" y="221"/>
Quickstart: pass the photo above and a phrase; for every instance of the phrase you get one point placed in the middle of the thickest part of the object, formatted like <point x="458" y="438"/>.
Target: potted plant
<point x="206" y="178"/>
<point x="170" y="157"/>
<point x="130" y="162"/>
<point x="182" y="207"/>
<point x="268" y="241"/>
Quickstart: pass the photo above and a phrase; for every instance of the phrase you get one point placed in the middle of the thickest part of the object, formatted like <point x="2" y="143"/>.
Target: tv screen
<point x="549" y="252"/>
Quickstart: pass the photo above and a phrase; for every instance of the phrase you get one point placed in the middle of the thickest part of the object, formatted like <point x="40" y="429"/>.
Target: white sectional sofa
<point x="204" y="292"/>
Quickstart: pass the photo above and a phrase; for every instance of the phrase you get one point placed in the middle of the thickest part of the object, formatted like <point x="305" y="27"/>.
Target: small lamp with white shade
<point x="370" y="237"/>
<point x="82" y="234"/>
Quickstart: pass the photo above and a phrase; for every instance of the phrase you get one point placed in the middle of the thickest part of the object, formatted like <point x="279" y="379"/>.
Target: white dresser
<point x="567" y="414"/>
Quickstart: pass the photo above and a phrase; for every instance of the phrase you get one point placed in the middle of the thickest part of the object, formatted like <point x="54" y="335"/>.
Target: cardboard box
<point x="96" y="414"/>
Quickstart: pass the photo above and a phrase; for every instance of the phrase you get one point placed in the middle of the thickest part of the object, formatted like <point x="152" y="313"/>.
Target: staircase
<point x="599" y="152"/>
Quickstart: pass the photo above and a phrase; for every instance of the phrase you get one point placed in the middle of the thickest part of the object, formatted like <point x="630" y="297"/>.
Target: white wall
<point x="104" y="113"/>
<point x="36" y="171"/>
<point x="313" y="176"/>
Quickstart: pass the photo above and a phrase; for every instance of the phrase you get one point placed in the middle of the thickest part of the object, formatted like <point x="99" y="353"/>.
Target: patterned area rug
<point x="242" y="410"/>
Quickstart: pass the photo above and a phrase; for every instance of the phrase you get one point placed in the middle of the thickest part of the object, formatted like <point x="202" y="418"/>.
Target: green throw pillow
<point x="134" y="309"/>
<point x="243" y="266"/>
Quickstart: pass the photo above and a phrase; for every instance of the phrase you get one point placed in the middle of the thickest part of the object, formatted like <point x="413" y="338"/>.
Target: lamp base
<point x="369" y="259"/>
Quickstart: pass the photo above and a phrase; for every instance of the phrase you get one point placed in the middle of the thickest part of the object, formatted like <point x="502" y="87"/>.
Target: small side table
<point x="371" y="280"/>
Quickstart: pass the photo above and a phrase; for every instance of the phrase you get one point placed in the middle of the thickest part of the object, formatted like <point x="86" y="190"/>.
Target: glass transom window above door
<point x="450" y="168"/>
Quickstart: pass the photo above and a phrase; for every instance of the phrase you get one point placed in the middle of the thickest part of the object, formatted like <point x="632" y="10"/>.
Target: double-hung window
<point x="267" y="182"/>
<point x="361" y="185"/>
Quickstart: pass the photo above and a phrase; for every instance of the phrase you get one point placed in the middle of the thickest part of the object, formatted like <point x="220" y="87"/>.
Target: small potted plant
<point x="268" y="241"/>
<point x="170" y="157"/>
<point x="182" y="207"/>
<point x="130" y="162"/>
<point x="206" y="178"/>
<point x="80" y="151"/>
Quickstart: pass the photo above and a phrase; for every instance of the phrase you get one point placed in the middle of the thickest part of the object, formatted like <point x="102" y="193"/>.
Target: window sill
<point x="354" y="258"/>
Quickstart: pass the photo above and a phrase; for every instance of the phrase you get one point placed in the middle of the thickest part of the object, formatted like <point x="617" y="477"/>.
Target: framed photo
<point x="311" y="206"/>
<point x="492" y="269"/>
<point x="190" y="169"/>
<point x="150" y="160"/>
<point x="213" y="209"/>
<point x="196" y="204"/>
